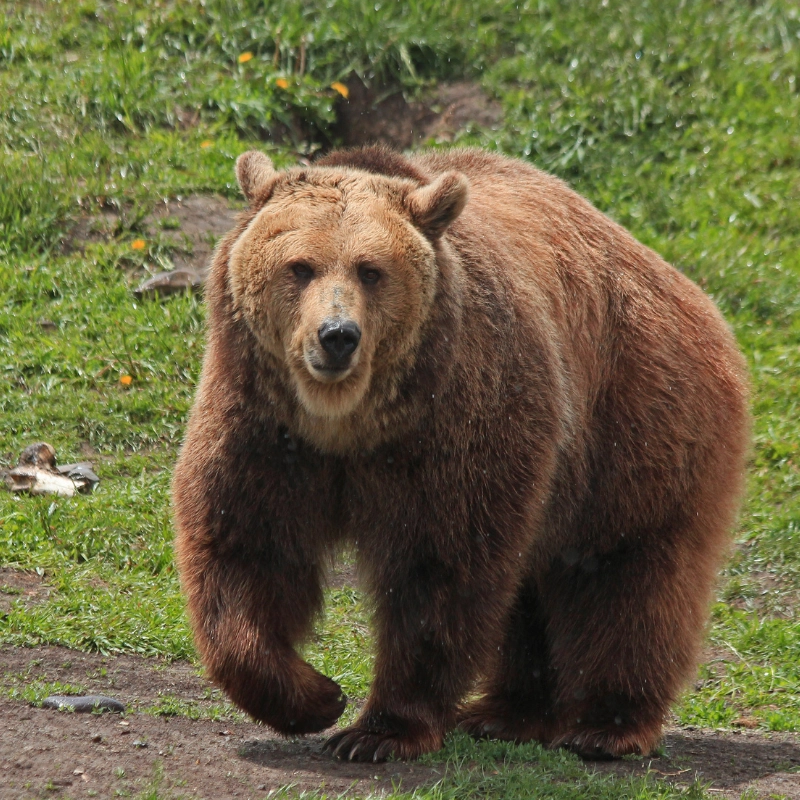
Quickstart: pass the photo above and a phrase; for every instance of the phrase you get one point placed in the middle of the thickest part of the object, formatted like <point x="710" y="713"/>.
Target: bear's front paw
<point x="363" y="743"/>
<point x="316" y="704"/>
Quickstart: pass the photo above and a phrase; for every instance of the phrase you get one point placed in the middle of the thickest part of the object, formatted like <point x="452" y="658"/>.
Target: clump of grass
<point x="35" y="692"/>
<point x="171" y="706"/>
<point x="33" y="204"/>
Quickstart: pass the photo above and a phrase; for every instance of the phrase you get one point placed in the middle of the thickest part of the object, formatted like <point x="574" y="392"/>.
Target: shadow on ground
<point x="731" y="761"/>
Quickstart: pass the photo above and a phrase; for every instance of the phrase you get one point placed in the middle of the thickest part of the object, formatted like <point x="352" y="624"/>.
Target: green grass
<point x="678" y="119"/>
<point x="496" y="771"/>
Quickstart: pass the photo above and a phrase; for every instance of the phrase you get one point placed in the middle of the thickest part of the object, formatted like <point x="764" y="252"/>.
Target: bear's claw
<point x="364" y="745"/>
<point x="354" y="744"/>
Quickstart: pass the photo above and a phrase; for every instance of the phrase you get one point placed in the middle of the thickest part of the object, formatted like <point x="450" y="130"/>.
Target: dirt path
<point x="56" y="754"/>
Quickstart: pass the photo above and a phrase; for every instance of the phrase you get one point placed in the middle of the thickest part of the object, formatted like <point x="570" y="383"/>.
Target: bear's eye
<point x="303" y="271"/>
<point x="369" y="275"/>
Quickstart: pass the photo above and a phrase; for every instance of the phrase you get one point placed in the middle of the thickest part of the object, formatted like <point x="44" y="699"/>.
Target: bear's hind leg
<point x="624" y="629"/>
<point x="517" y="704"/>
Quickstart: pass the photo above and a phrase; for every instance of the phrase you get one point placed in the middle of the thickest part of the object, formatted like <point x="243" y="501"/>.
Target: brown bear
<point x="531" y="429"/>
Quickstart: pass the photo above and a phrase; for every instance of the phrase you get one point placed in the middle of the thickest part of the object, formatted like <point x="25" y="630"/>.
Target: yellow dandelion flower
<point x="206" y="143"/>
<point x="138" y="244"/>
<point x="341" y="88"/>
<point x="282" y="83"/>
<point x="126" y="380"/>
<point x="245" y="57"/>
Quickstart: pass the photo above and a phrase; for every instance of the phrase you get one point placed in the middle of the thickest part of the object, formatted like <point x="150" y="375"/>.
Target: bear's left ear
<point x="435" y="206"/>
<point x="255" y="173"/>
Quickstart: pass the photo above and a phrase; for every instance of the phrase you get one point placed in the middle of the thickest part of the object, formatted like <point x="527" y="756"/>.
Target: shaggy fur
<point x="536" y="447"/>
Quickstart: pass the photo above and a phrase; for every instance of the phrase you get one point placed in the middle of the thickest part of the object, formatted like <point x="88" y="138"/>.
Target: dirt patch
<point x="186" y="227"/>
<point x="371" y="116"/>
<point x="91" y="229"/>
<point x="20" y="585"/>
<point x="51" y="753"/>
<point x="76" y="753"/>
<point x="192" y="225"/>
<point x="345" y="573"/>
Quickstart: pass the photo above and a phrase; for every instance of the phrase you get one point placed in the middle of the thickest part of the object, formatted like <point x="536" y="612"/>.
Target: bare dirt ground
<point x="59" y="754"/>
<point x="369" y="115"/>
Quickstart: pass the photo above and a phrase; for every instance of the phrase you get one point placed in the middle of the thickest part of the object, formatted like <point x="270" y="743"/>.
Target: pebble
<point x="83" y="705"/>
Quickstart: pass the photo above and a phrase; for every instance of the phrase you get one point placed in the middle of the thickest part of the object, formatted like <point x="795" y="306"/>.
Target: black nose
<point x="339" y="339"/>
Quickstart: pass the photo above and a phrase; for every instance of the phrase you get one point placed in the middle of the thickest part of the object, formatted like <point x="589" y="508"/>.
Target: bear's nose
<point x="339" y="338"/>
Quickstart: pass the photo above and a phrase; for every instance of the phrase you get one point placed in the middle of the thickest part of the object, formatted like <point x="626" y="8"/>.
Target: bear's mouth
<point x="326" y="373"/>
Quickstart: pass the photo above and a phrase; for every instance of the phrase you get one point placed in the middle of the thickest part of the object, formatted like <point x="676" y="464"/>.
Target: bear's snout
<point x="339" y="339"/>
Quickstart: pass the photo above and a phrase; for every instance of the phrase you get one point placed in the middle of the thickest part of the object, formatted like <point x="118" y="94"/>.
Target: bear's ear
<point x="255" y="173"/>
<point x="435" y="206"/>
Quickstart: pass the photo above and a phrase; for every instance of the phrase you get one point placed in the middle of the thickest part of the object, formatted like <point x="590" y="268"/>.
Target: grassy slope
<point x="678" y="119"/>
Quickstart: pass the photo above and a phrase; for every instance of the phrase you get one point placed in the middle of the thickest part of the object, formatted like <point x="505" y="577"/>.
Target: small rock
<point x="164" y="283"/>
<point x="139" y="743"/>
<point x="82" y="474"/>
<point x="97" y="738"/>
<point x="83" y="704"/>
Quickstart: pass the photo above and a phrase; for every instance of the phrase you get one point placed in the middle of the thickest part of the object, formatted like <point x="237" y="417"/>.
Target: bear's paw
<point x="314" y="703"/>
<point x="365" y="743"/>
<point x="604" y="744"/>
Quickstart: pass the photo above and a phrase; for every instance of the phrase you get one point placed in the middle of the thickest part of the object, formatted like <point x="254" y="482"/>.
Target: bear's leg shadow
<point x="624" y="628"/>
<point x="517" y="704"/>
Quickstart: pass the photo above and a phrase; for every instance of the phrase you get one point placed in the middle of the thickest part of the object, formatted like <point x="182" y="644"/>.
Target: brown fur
<point x="537" y="449"/>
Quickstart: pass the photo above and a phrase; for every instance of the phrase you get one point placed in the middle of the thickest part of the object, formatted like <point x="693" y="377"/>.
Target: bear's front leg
<point x="435" y="625"/>
<point x="246" y="619"/>
<point x="250" y="544"/>
<point x="243" y="631"/>
<point x="415" y="688"/>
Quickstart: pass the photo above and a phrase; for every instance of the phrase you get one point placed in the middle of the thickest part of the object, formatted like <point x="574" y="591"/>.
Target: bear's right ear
<point x="255" y="173"/>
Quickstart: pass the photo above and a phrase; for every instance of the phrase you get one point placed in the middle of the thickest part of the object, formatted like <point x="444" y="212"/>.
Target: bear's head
<point x="336" y="273"/>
